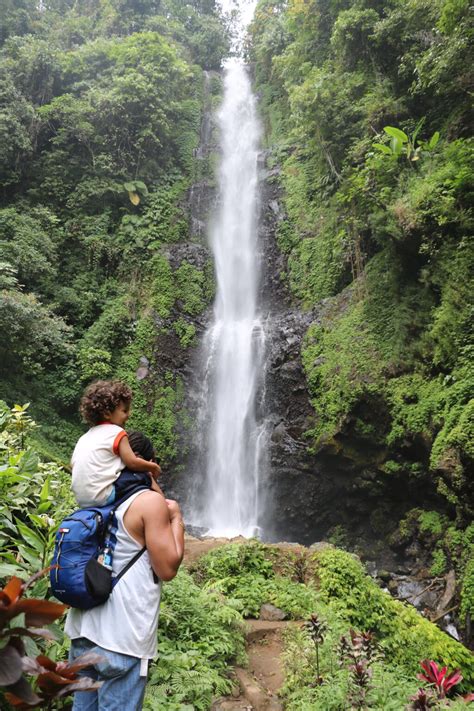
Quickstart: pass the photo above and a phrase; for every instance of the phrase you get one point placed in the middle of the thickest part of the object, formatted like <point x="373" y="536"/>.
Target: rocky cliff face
<point x="301" y="487"/>
<point x="309" y="494"/>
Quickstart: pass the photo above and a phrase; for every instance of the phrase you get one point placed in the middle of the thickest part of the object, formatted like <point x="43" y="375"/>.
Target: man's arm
<point x="163" y="534"/>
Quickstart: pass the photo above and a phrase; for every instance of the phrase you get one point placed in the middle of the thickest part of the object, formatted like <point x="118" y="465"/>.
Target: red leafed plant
<point x="53" y="679"/>
<point x="423" y="700"/>
<point x="442" y="681"/>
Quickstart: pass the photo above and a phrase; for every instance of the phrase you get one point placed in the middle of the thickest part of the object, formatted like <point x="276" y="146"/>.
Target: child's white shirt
<point x="96" y="464"/>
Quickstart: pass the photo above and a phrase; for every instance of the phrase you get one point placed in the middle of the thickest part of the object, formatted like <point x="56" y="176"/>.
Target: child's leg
<point x="111" y="497"/>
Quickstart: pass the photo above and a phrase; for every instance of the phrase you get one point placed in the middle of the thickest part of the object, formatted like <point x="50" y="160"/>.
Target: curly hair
<point x="102" y="397"/>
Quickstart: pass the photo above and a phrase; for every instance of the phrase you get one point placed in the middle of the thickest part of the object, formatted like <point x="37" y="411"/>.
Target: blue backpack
<point x="83" y="539"/>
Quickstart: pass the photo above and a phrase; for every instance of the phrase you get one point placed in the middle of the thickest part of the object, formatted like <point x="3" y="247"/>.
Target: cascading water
<point x="229" y="499"/>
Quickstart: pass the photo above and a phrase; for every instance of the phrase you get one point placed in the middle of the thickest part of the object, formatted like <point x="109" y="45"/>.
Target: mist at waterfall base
<point x="227" y="501"/>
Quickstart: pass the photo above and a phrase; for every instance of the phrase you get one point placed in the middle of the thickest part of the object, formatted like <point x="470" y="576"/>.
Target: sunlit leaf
<point x="396" y="133"/>
<point x="134" y="198"/>
<point x="434" y="140"/>
<point x="418" y="128"/>
<point x="139" y="185"/>
<point x="382" y="147"/>
<point x="8" y="569"/>
<point x="396" y="146"/>
<point x="45" y="490"/>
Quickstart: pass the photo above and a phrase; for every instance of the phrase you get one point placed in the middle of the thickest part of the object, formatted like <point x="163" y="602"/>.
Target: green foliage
<point x="100" y="114"/>
<point x="163" y="286"/>
<point x="397" y="341"/>
<point x="34" y="337"/>
<point x="191" y="285"/>
<point x="432" y="522"/>
<point x="244" y="573"/>
<point x="27" y="243"/>
<point x="94" y="363"/>
<point x="414" y="406"/>
<point x="400" y="143"/>
<point x="451" y="14"/>
<point x="451" y="547"/>
<point x="342" y="596"/>
<point x="438" y="566"/>
<point x="467" y="592"/>
<point x="30" y="492"/>
<point x="390" y="687"/>
<point x="233" y="560"/>
<point x="161" y="221"/>
<point x="342" y="364"/>
<point x="200" y="634"/>
<point x="186" y="332"/>
<point x="251" y="591"/>
<point x="16" y="132"/>
<point x="404" y="635"/>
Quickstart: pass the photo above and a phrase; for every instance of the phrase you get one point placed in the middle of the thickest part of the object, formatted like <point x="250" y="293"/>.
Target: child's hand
<point x="154" y="469"/>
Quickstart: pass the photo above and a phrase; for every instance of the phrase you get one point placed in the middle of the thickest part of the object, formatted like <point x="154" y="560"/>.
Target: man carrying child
<point x="123" y="630"/>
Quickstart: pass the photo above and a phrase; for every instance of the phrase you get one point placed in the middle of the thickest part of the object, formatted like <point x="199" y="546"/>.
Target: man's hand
<point x="173" y="509"/>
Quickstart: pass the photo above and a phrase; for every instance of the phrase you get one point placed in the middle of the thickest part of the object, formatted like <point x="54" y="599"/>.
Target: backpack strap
<point x="128" y="566"/>
<point x="110" y="521"/>
<point x="113" y="536"/>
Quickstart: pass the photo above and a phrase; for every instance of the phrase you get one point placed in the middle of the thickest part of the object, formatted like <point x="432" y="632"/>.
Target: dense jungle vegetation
<point x="367" y="107"/>
<point x="100" y="115"/>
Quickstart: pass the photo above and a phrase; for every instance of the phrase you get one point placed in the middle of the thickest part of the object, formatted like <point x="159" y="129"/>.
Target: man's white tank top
<point x="127" y="623"/>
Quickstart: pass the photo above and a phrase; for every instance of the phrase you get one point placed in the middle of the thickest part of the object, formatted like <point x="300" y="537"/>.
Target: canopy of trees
<point x="100" y="110"/>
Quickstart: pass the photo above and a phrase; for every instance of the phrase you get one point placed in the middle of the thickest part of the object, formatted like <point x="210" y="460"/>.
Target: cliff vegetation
<point x="367" y="112"/>
<point x="101" y="107"/>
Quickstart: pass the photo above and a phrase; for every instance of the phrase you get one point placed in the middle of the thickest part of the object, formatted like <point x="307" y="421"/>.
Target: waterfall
<point x="233" y="345"/>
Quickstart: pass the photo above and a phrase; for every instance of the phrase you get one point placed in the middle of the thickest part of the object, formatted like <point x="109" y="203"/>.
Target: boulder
<point x="272" y="613"/>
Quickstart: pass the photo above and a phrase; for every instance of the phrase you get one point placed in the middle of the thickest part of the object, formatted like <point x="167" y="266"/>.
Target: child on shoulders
<point x="103" y="453"/>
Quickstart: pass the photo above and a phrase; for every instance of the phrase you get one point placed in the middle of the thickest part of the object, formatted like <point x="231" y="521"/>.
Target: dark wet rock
<point x="421" y="593"/>
<point x="192" y="252"/>
<point x="371" y="568"/>
<point x="384" y="576"/>
<point x="196" y="531"/>
<point x="201" y="199"/>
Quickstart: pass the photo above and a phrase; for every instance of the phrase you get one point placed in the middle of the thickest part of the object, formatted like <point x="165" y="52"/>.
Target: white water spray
<point x="234" y="342"/>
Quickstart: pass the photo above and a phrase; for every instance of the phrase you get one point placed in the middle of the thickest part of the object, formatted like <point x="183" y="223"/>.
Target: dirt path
<point x="258" y="684"/>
